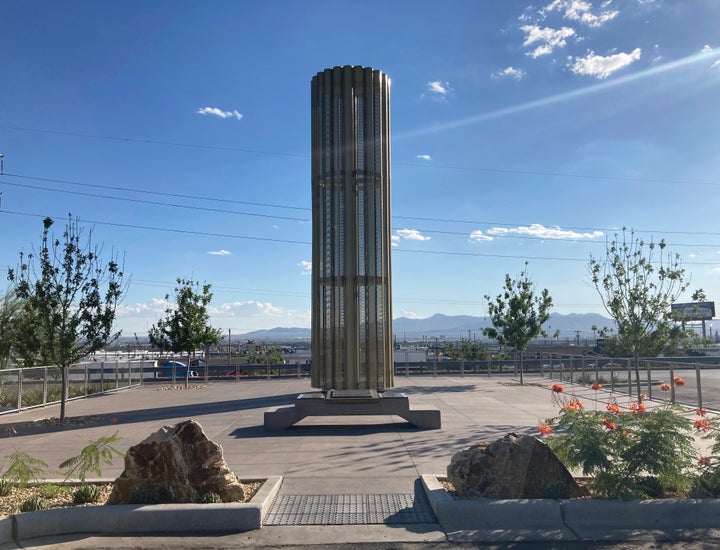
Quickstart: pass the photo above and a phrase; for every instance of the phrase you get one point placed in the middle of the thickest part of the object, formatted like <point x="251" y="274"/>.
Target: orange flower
<point x="679" y="381"/>
<point x="557" y="388"/>
<point x="574" y="404"/>
<point x="609" y="424"/>
<point x="665" y="387"/>
<point x="113" y="420"/>
<point x="613" y="408"/>
<point x="596" y="386"/>
<point x="701" y="412"/>
<point x="545" y="429"/>
<point x="638" y="408"/>
<point x="703" y="425"/>
<point x="704" y="461"/>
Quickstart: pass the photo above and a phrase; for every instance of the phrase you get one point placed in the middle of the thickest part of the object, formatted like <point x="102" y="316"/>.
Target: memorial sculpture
<point x="352" y="345"/>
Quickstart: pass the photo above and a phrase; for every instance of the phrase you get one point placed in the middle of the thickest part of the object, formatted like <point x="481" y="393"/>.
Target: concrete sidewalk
<point x="319" y="456"/>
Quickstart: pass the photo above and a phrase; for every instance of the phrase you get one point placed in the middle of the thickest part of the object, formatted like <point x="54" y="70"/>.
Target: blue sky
<point x="180" y="132"/>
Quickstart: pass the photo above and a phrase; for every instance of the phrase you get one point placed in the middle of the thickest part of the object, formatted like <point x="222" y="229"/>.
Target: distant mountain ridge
<point x="451" y="326"/>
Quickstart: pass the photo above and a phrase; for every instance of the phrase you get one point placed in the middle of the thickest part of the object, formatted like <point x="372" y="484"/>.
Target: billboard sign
<point x="694" y="311"/>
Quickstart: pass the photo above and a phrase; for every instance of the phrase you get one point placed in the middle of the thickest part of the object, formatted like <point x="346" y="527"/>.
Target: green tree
<point x="465" y="349"/>
<point x="10" y="310"/>
<point x="185" y="328"/>
<point x="69" y="299"/>
<point x="518" y="315"/>
<point x="637" y="281"/>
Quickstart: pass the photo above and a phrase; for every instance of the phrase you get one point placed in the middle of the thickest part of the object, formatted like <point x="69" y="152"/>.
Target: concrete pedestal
<point x="351" y="403"/>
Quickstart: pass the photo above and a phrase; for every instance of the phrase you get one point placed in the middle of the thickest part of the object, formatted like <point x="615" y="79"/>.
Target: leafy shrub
<point x="51" y="490"/>
<point x="556" y="490"/>
<point x="86" y="494"/>
<point x="89" y="459"/>
<point x="211" y="498"/>
<point x="5" y="487"/>
<point x="630" y="454"/>
<point x="144" y="495"/>
<point x="33" y="505"/>
<point x="23" y="468"/>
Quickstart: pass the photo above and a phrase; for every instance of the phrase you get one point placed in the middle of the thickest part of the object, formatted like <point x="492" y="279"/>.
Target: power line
<point x="270" y="205"/>
<point x="158" y="193"/>
<point x="157" y="203"/>
<point x="165" y="229"/>
<point x="288" y="241"/>
<point x="511" y="171"/>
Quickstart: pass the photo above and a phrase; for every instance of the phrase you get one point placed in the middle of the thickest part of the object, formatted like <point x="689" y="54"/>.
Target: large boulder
<point x="176" y="464"/>
<point x="513" y="467"/>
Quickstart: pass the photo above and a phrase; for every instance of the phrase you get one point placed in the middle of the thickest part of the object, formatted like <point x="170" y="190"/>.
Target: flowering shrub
<point x="631" y="453"/>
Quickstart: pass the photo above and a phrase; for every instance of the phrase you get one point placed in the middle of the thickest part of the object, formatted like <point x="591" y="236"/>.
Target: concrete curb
<point x="492" y="520"/>
<point x="132" y="518"/>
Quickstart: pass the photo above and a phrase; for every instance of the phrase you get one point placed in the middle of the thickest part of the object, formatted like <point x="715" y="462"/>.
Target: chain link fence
<point x="39" y="386"/>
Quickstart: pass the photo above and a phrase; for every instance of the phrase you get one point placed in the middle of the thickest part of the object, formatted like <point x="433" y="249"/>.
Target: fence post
<point x="407" y="364"/>
<point x="45" y="385"/>
<point x="299" y="372"/>
<point x="102" y="376"/>
<point x="629" y="378"/>
<point x="269" y="376"/>
<point x="562" y="366"/>
<point x="672" y="385"/>
<point x="117" y="382"/>
<point x="612" y="375"/>
<point x="542" y="369"/>
<point x="87" y="380"/>
<point x="699" y="388"/>
<point x="435" y="365"/>
<point x="19" y="387"/>
<point x="462" y="367"/>
<point x="489" y="363"/>
<point x="649" y="378"/>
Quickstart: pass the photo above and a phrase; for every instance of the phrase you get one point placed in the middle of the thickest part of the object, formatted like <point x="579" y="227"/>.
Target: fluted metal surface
<point x="351" y="278"/>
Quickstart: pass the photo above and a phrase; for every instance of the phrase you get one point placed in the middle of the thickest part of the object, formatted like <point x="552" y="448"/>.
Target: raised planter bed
<point x="136" y="518"/>
<point x="567" y="520"/>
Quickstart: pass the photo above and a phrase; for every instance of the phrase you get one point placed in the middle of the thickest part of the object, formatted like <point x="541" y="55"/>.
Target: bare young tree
<point x="71" y="296"/>
<point x="637" y="281"/>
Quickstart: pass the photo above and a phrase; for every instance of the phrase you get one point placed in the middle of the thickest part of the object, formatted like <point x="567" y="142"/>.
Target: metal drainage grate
<point x="350" y="510"/>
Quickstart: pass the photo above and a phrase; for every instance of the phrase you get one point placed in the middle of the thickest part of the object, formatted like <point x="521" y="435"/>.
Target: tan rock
<point x="513" y="467"/>
<point x="178" y="464"/>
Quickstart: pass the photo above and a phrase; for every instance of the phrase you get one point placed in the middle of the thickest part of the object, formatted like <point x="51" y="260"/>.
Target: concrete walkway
<point x="329" y="455"/>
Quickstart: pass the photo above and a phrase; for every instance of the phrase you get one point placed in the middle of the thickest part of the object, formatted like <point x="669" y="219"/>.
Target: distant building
<point x="352" y="345"/>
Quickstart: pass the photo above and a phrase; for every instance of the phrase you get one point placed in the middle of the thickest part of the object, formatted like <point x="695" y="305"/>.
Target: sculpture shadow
<point x="327" y="430"/>
<point x="148" y="414"/>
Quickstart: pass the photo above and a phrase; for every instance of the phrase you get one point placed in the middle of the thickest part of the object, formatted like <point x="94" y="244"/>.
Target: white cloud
<point x="542" y="232"/>
<point x="509" y="72"/>
<point x="547" y="39"/>
<point x="214" y="111"/>
<point x="438" y="91"/>
<point x="716" y="64"/>
<point x="706" y="49"/>
<point x="438" y="87"/>
<point x="602" y="67"/>
<point x="424" y="157"/>
<point x="306" y="267"/>
<point x="249" y="308"/>
<point x="219" y="252"/>
<point x="581" y="11"/>
<point x="409" y="235"/>
<point x="480" y="236"/>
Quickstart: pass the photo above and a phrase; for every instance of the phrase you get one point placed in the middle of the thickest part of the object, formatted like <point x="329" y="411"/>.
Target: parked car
<point x="180" y="370"/>
<point x="197" y="363"/>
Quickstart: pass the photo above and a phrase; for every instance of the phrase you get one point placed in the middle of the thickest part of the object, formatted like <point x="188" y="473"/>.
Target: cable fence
<point x="679" y="381"/>
<point x="39" y="386"/>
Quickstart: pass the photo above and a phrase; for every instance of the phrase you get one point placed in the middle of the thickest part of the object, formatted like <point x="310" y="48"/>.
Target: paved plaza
<point x="319" y="456"/>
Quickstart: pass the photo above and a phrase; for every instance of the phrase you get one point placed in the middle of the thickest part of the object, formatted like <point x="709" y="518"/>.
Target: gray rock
<point x="176" y="464"/>
<point x="513" y="467"/>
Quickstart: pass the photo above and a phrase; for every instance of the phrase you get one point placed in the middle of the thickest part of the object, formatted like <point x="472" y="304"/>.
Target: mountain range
<point x="451" y="327"/>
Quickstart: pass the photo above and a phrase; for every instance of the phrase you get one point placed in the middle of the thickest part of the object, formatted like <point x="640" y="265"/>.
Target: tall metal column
<point x="352" y="344"/>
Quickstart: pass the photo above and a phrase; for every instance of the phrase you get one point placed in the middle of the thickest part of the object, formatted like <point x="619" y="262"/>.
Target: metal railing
<point x="39" y="386"/>
<point x="692" y="382"/>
